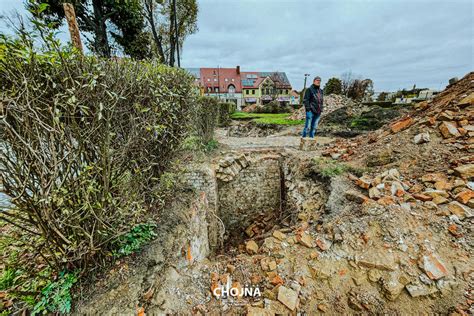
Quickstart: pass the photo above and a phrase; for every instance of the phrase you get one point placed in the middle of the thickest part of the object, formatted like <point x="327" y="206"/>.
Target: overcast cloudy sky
<point x="396" y="43"/>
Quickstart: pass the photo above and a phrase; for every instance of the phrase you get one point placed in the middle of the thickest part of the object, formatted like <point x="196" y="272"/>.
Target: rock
<point x="393" y="173"/>
<point x="433" y="267"/>
<point x="465" y="171"/>
<point x="276" y="280"/>
<point x="449" y="129"/>
<point x="397" y="189"/>
<point x="377" y="259"/>
<point x="422" y="197"/>
<point x="268" y="264"/>
<point x="459" y="183"/>
<point x="392" y="288"/>
<point x="417" y="290"/>
<point x="431" y="205"/>
<point x="364" y="182"/>
<point x="434" y="177"/>
<point x="305" y="239"/>
<point x="401" y="125"/>
<point x="355" y="196"/>
<point x="454" y="229"/>
<point x="279" y="235"/>
<point x="460" y="210"/>
<point x="230" y="268"/>
<point x="288" y="297"/>
<point x="251" y="247"/>
<point x="386" y="201"/>
<point x="440" y="200"/>
<point x="258" y="311"/>
<point x="443" y="185"/>
<point x="249" y="230"/>
<point x="445" y="116"/>
<point x="435" y="193"/>
<point x="374" y="275"/>
<point x="469" y="100"/>
<point x="323" y="307"/>
<point x="374" y="193"/>
<point x="323" y="243"/>
<point x="421" y="138"/>
<point x="380" y="159"/>
<point x="464" y="196"/>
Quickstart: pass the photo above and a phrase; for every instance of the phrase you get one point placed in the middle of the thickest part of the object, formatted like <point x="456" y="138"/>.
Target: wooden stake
<point x="73" y="28"/>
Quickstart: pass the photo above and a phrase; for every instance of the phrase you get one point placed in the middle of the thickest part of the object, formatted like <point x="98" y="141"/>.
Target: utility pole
<point x="218" y="83"/>
<point x="305" y="77"/>
<point x="176" y="30"/>
<point x="73" y="28"/>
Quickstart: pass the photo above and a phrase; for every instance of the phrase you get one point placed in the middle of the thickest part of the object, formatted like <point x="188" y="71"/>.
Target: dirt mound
<point x="350" y="121"/>
<point x="332" y="102"/>
<point x="253" y="129"/>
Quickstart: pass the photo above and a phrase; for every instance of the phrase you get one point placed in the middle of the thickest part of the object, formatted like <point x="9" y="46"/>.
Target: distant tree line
<point x="137" y="28"/>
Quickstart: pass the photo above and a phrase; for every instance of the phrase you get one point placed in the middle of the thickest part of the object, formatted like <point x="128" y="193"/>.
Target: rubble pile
<point x="332" y="102"/>
<point x="447" y="121"/>
<point x="253" y="129"/>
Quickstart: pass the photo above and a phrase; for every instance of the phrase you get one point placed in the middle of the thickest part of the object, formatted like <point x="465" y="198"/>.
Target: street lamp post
<point x="305" y="76"/>
<point x="304" y="87"/>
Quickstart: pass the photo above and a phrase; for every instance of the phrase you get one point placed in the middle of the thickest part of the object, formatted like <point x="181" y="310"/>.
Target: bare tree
<point x="347" y="79"/>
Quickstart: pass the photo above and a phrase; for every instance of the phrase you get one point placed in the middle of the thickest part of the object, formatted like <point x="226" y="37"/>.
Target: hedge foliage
<point x="211" y="113"/>
<point x="84" y="142"/>
<point x="225" y="110"/>
<point x="273" y="107"/>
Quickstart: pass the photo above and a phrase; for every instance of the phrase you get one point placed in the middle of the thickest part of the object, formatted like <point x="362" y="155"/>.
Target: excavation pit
<point x="252" y="194"/>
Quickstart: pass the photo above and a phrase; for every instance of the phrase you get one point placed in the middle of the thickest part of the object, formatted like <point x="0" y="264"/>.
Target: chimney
<point x="238" y="70"/>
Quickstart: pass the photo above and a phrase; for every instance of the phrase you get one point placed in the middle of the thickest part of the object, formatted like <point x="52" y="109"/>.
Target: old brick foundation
<point x="256" y="187"/>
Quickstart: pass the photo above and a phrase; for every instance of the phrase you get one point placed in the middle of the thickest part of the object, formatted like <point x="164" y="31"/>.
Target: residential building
<point x="242" y="88"/>
<point x="294" y="97"/>
<point x="264" y="87"/>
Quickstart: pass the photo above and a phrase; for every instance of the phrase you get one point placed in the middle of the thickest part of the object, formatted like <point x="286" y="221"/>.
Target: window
<point x="247" y="91"/>
<point x="216" y="89"/>
<point x="226" y="79"/>
<point x="208" y="79"/>
<point x="232" y="79"/>
<point x="253" y="91"/>
<point x="215" y="79"/>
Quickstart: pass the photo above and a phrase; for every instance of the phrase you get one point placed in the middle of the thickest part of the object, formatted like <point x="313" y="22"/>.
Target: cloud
<point x="396" y="43"/>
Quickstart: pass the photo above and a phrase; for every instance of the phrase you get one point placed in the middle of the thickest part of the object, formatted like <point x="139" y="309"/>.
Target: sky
<point x="396" y="43"/>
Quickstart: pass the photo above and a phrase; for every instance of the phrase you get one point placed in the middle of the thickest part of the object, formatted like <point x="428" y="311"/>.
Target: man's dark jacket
<point x="313" y="99"/>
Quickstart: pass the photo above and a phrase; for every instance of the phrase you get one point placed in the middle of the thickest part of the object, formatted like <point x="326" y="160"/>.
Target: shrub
<point x="83" y="141"/>
<point x="225" y="110"/>
<point x="273" y="107"/>
<point x="205" y="118"/>
<point x="56" y="296"/>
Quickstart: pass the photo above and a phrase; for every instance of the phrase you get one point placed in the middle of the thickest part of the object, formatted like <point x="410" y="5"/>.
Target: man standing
<point x="313" y="103"/>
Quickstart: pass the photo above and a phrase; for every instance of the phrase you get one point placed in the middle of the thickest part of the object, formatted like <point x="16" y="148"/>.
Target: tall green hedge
<point x="84" y="141"/>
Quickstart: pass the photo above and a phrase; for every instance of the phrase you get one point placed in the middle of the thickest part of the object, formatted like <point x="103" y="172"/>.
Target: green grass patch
<point x="266" y="118"/>
<point x="329" y="168"/>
